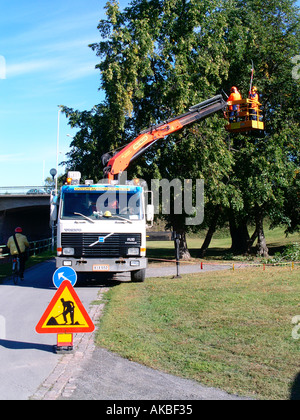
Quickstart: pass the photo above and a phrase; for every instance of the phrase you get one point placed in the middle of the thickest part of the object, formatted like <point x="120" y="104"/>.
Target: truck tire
<point x="138" y="276"/>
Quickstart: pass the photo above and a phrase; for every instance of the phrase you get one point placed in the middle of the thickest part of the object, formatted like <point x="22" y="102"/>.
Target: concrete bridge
<point x="28" y="207"/>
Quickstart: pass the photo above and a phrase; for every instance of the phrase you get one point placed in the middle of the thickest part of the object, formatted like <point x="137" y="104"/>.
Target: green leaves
<point x="159" y="57"/>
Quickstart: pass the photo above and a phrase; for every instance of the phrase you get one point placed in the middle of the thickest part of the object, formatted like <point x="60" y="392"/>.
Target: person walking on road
<point x="18" y="244"/>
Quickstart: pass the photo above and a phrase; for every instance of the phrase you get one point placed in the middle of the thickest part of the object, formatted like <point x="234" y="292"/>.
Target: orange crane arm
<point x="121" y="160"/>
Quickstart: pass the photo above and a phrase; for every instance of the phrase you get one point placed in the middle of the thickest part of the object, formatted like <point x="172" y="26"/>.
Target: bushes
<point x="291" y="253"/>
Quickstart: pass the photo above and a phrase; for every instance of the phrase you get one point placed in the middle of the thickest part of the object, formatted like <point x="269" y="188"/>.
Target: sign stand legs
<point x="64" y="343"/>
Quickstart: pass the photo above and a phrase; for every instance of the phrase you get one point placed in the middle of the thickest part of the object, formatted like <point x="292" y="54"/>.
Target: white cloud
<point x="58" y="45"/>
<point x="60" y="61"/>
<point x="13" y="157"/>
<point x="61" y="68"/>
<point x="58" y="29"/>
<point x="28" y="67"/>
<point x="76" y="71"/>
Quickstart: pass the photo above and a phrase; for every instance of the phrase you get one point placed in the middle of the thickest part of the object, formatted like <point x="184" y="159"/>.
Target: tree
<point x="159" y="57"/>
<point x="154" y="71"/>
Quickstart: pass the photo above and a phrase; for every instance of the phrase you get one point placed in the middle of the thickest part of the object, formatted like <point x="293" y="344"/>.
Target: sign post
<point x="64" y="316"/>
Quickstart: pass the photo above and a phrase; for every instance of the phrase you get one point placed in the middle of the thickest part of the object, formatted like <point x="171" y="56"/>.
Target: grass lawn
<point x="230" y="330"/>
<point x="220" y="245"/>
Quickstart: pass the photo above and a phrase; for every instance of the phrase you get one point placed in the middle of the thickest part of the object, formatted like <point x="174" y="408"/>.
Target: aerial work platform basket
<point x="247" y="117"/>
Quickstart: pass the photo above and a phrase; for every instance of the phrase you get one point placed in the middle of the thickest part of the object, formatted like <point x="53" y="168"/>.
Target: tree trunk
<point x="251" y="241"/>
<point x="210" y="232"/>
<point x="262" y="249"/>
<point x="239" y="236"/>
<point x="184" y="253"/>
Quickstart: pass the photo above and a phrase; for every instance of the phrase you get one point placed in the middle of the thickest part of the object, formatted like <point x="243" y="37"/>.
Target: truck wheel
<point x="138" y="276"/>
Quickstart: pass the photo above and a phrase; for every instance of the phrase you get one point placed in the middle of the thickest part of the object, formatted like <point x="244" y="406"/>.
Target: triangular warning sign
<point x="65" y="313"/>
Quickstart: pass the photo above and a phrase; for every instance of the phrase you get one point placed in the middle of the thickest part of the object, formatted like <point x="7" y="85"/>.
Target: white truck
<point x="101" y="227"/>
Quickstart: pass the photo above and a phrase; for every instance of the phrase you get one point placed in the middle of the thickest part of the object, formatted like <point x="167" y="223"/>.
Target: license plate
<point x="102" y="267"/>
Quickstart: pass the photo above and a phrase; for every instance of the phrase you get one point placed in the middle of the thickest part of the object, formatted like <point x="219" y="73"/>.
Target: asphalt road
<point x="107" y="376"/>
<point x="28" y="359"/>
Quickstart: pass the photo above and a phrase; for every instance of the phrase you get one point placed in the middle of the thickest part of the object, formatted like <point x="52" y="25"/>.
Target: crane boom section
<point x="120" y="161"/>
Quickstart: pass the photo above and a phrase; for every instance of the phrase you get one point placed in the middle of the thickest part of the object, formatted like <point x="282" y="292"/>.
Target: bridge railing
<point x="26" y="190"/>
<point x="36" y="247"/>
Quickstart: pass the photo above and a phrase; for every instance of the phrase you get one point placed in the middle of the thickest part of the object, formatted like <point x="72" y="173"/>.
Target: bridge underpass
<point x="31" y="212"/>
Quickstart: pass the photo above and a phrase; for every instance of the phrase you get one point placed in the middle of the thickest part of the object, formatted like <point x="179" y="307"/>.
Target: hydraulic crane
<point x="116" y="164"/>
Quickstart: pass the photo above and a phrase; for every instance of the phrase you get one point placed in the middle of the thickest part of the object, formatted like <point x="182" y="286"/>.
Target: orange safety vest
<point x="234" y="96"/>
<point x="255" y="99"/>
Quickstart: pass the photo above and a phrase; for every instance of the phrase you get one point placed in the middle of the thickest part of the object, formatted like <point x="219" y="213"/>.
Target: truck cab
<point x="102" y="228"/>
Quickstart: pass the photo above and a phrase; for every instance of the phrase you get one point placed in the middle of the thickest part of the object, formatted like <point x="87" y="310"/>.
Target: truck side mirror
<point x="53" y="209"/>
<point x="53" y="212"/>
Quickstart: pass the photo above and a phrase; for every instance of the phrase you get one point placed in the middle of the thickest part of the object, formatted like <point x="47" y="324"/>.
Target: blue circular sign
<point x="64" y="273"/>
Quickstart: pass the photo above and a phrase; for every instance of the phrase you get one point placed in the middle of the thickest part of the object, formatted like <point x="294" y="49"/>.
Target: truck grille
<point x="115" y="245"/>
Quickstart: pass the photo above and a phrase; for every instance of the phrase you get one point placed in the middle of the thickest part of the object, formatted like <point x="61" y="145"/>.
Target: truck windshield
<point x="97" y="205"/>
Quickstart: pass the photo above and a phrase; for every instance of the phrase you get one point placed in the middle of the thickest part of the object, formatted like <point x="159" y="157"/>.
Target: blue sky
<point x="44" y="62"/>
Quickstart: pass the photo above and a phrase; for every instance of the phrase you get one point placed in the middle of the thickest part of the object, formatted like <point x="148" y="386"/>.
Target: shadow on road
<point x="21" y="345"/>
<point x="40" y="276"/>
<point x="100" y="280"/>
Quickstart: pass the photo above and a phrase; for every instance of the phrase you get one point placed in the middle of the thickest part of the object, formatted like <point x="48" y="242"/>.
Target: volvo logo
<point x="101" y="239"/>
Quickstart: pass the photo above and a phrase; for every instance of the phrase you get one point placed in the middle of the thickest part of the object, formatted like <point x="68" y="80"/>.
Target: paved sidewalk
<point x="186" y="268"/>
<point x="107" y="376"/>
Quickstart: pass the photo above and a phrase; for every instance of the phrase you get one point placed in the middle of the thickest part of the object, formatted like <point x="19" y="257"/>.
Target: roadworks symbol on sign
<point x="65" y="313"/>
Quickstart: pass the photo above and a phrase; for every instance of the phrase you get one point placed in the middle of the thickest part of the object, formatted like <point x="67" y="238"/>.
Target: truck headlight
<point x="68" y="251"/>
<point x="133" y="251"/>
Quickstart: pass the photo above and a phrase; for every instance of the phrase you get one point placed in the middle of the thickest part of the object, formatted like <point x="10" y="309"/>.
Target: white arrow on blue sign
<point x="64" y="273"/>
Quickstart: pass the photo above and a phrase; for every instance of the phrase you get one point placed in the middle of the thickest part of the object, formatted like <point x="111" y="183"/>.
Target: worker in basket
<point x="253" y="110"/>
<point x="234" y="109"/>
